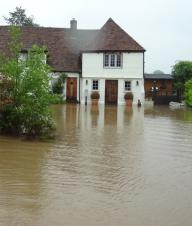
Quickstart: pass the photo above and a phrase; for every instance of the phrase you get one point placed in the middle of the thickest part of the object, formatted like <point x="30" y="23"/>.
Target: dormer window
<point x="23" y="57"/>
<point x="112" y="60"/>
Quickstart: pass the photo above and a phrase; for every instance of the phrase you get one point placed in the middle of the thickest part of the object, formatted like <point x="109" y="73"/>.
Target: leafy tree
<point x="19" y="18"/>
<point x="188" y="93"/>
<point x="182" y="72"/>
<point x="29" y="112"/>
<point x="158" y="72"/>
<point x="58" y="85"/>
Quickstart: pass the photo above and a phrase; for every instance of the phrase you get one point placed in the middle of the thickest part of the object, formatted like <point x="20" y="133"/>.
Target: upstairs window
<point x="24" y="56"/>
<point x="106" y="60"/>
<point x="112" y="63"/>
<point x="118" y="60"/>
<point x="112" y="60"/>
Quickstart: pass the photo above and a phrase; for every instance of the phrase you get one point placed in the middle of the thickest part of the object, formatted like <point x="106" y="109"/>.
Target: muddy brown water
<point x="108" y="166"/>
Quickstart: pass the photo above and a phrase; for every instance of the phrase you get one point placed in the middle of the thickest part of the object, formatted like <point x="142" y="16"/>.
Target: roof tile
<point x="65" y="45"/>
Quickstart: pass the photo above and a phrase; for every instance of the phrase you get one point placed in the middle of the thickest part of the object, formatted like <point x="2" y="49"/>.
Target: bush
<point x="22" y="121"/>
<point x="128" y="96"/>
<point x="188" y="93"/>
<point x="6" y="87"/>
<point x="95" y="95"/>
<point x="58" y="85"/>
<point x="57" y="99"/>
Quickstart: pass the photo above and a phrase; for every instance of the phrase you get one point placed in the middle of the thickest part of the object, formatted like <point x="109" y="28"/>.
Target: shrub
<point x="95" y="95"/>
<point x="58" y="85"/>
<point x="57" y="99"/>
<point x="188" y="93"/>
<point x="128" y="96"/>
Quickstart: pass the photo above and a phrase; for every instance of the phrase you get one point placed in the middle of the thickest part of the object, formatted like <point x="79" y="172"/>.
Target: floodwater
<point x="108" y="166"/>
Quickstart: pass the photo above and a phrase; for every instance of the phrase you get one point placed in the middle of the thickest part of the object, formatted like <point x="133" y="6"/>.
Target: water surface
<point x="108" y="166"/>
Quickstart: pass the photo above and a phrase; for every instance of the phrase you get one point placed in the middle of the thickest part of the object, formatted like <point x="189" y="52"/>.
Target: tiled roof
<point x="112" y="37"/>
<point x="158" y="76"/>
<point x="65" y="45"/>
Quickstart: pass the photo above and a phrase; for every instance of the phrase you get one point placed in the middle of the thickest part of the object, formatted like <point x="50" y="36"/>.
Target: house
<point x="106" y="60"/>
<point x="163" y="83"/>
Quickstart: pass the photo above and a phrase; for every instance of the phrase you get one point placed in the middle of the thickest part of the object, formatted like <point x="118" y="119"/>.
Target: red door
<point x="72" y="89"/>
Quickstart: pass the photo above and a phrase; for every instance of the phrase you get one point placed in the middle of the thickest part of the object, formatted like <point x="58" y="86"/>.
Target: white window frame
<point x="107" y="64"/>
<point x="95" y="80"/>
<point x="126" y="88"/>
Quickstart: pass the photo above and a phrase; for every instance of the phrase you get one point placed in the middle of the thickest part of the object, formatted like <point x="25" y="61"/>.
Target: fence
<point x="162" y="97"/>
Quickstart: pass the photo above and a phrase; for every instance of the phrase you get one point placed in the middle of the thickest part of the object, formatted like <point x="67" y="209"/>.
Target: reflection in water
<point x="108" y="166"/>
<point x="94" y="115"/>
<point x="111" y="115"/>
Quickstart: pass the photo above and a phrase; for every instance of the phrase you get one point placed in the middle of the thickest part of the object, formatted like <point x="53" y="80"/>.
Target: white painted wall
<point x="86" y="90"/>
<point x="138" y="91"/>
<point x="132" y="70"/>
<point x="132" y="66"/>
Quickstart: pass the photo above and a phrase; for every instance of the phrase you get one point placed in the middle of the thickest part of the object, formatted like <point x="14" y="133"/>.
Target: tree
<point x="182" y="72"/>
<point x="158" y="72"/>
<point x="19" y="18"/>
<point x="59" y="84"/>
<point x="29" y="111"/>
<point x="188" y="93"/>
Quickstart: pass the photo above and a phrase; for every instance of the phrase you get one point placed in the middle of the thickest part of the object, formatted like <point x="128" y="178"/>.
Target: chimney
<point x="73" y="24"/>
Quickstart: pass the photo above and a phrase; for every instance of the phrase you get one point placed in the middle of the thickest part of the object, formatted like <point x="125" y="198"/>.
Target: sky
<point x="162" y="27"/>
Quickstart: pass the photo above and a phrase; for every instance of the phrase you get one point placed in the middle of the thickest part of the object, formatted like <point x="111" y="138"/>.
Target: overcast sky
<point x="162" y="27"/>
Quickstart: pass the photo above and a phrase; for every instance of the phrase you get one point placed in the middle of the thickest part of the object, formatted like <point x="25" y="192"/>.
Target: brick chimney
<point x="73" y="24"/>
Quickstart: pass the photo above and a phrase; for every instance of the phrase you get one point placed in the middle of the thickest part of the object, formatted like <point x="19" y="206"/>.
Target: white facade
<point x="131" y="70"/>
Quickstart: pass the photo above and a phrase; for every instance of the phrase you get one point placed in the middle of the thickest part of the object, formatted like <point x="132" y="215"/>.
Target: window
<point x="24" y="56"/>
<point x="106" y="60"/>
<point x="127" y="85"/>
<point x="113" y="60"/>
<point x="95" y="85"/>
<point x="118" y="60"/>
<point x="112" y="64"/>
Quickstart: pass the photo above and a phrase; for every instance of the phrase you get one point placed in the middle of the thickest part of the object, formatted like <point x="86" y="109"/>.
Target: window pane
<point x="95" y="85"/>
<point x="106" y="60"/>
<point x="118" y="60"/>
<point x="112" y="60"/>
<point x="128" y="85"/>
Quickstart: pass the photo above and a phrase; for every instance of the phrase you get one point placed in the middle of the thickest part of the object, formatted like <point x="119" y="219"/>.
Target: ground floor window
<point x="127" y="85"/>
<point x="95" y="85"/>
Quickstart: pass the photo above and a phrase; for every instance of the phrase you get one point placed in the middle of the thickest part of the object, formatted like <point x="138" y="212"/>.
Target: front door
<point x="111" y="91"/>
<point x="72" y="89"/>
